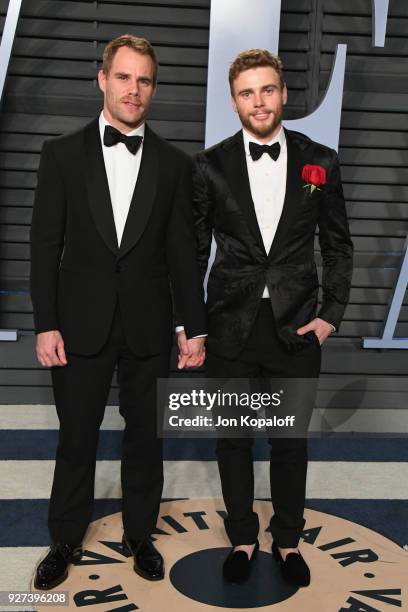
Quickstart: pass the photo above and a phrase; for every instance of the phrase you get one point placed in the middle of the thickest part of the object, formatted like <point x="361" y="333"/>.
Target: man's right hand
<point x="192" y="351"/>
<point x="50" y="349"/>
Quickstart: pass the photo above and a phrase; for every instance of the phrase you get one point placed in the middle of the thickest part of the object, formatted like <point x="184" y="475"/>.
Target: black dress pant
<point x="81" y="390"/>
<point x="265" y="357"/>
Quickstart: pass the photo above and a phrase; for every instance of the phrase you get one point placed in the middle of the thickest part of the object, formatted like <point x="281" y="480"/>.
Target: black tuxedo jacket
<point x="78" y="273"/>
<point x="242" y="268"/>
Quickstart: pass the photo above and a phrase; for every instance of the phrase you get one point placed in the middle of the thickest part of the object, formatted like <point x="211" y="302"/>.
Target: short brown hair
<point x="254" y="58"/>
<point x="140" y="45"/>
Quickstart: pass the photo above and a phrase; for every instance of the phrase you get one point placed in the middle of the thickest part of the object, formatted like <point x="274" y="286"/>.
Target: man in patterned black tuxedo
<point x="263" y="193"/>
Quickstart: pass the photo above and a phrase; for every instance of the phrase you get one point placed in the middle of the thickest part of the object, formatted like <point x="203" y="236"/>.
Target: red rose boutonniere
<point x="313" y="177"/>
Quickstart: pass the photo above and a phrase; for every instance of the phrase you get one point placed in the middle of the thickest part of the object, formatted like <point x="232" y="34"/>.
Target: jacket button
<point x="118" y="267"/>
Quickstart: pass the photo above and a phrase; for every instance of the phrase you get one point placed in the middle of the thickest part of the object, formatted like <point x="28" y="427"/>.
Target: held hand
<point x="197" y="352"/>
<point x="183" y="348"/>
<point x="50" y="349"/>
<point x="192" y="351"/>
<point x="321" y="328"/>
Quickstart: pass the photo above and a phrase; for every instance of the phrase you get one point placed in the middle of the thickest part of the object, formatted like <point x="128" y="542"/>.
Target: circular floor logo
<point x="353" y="568"/>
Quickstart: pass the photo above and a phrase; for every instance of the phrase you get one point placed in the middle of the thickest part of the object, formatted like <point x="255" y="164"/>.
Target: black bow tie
<point x="256" y="150"/>
<point x="112" y="136"/>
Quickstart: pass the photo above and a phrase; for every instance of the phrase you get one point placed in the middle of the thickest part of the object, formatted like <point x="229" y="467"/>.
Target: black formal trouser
<point x="265" y="357"/>
<point x="81" y="390"/>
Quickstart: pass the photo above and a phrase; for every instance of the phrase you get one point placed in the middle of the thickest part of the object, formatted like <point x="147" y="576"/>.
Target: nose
<point x="134" y="87"/>
<point x="258" y="99"/>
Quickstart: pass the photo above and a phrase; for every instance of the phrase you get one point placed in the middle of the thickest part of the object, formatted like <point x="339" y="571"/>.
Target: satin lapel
<point x="98" y="188"/>
<point x="236" y="173"/>
<point x="143" y="195"/>
<point x="293" y="195"/>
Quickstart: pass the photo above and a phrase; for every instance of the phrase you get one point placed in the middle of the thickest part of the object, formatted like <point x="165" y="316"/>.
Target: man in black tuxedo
<point x="112" y="246"/>
<point x="263" y="192"/>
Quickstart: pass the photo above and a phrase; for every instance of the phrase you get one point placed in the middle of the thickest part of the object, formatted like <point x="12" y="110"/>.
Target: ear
<point x="234" y="104"/>
<point x="284" y="94"/>
<point x="102" y="80"/>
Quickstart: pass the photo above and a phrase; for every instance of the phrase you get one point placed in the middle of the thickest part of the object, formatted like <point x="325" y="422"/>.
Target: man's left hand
<point x="321" y="328"/>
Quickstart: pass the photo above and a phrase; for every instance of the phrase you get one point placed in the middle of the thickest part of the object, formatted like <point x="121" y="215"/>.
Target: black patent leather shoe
<point x="148" y="562"/>
<point x="294" y="568"/>
<point x="237" y="566"/>
<point x="53" y="569"/>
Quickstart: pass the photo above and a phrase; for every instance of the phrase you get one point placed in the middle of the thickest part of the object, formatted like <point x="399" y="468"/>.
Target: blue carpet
<point x="387" y="517"/>
<point x="41" y="444"/>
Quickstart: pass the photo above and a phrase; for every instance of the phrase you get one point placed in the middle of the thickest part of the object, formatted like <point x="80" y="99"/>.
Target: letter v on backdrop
<point x="241" y="24"/>
<point x="9" y="32"/>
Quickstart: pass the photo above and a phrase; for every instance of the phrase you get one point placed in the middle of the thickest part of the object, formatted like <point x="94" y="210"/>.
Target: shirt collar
<point x="280" y="137"/>
<point x="139" y="131"/>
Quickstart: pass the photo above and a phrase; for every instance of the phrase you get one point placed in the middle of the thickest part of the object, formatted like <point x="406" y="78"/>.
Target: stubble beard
<point x="267" y="130"/>
<point x="116" y="114"/>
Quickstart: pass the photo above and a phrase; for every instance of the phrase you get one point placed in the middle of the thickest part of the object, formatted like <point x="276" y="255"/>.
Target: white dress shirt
<point x="267" y="180"/>
<point x="122" y="169"/>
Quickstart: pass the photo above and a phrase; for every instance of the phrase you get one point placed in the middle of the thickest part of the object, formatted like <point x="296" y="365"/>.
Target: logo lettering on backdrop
<point x="234" y="26"/>
<point x="7" y="40"/>
<point x="228" y="19"/>
<point x="379" y="9"/>
<point x="6" y="45"/>
<point x="387" y="340"/>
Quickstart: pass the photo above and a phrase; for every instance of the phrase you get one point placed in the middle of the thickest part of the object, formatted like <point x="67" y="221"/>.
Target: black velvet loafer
<point x="237" y="566"/>
<point x="294" y="568"/>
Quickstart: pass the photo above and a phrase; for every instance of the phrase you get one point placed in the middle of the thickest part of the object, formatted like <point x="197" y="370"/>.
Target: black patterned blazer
<point x="223" y="205"/>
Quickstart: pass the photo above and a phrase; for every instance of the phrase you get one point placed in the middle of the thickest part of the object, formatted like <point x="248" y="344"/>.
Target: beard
<point x="131" y="120"/>
<point x="267" y="128"/>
